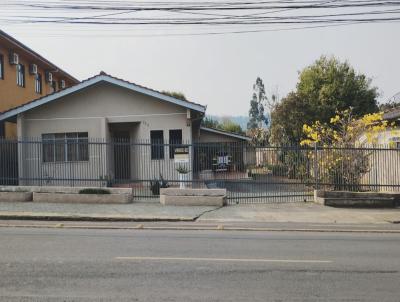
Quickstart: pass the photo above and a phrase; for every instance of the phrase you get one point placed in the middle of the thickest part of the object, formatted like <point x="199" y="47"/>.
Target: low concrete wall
<point x="193" y="197"/>
<point x="357" y="199"/>
<point x="54" y="189"/>
<point x="81" y="198"/>
<point x="63" y="194"/>
<point x="15" y="196"/>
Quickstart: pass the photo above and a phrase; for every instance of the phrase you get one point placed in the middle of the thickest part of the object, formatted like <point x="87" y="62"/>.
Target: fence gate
<point x="256" y="174"/>
<point x="251" y="174"/>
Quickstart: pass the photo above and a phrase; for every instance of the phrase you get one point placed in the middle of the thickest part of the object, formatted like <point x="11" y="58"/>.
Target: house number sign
<point x="181" y="155"/>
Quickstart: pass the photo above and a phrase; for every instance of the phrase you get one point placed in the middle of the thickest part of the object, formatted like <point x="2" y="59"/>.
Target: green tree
<point x="226" y="125"/>
<point x="256" y="113"/>
<point x="230" y="126"/>
<point x="209" y="122"/>
<point x="323" y="88"/>
<point x="175" y="94"/>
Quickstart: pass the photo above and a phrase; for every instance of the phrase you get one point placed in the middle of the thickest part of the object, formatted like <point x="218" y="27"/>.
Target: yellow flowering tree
<point x="341" y="156"/>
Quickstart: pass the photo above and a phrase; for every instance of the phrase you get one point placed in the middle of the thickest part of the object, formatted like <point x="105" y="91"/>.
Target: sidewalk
<point x="301" y="213"/>
<point x="99" y="212"/>
<point x="306" y="213"/>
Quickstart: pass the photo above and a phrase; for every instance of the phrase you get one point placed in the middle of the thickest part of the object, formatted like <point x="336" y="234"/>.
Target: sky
<point x="217" y="70"/>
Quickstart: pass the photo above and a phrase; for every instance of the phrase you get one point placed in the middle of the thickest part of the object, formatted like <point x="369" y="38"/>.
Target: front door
<point x="122" y="156"/>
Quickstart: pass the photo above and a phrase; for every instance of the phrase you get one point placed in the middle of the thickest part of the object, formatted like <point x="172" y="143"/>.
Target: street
<point x="151" y="265"/>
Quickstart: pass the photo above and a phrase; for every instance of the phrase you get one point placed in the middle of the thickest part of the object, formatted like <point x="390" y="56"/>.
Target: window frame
<point x="1" y="67"/>
<point x="66" y="147"/>
<point x="38" y="83"/>
<point x="174" y="142"/>
<point x="20" y="75"/>
<point x="157" y="145"/>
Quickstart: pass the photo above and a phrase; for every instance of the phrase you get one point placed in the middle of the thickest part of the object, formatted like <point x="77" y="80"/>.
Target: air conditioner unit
<point x="62" y="84"/>
<point x="33" y="69"/>
<point x="14" y="58"/>
<point x="49" y="77"/>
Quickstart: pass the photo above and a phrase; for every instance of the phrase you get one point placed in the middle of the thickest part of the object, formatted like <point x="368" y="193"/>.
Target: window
<point x="1" y="67"/>
<point x="38" y="83"/>
<point x="54" y="86"/>
<point x="65" y="147"/>
<point x="157" y="147"/>
<point x="175" y="139"/>
<point x="2" y="130"/>
<point x="21" y="75"/>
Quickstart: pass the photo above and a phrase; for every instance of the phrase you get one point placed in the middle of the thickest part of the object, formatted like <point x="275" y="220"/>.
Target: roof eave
<point x="231" y="134"/>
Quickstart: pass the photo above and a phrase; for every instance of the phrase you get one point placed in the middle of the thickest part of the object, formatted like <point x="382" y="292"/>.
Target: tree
<point x="175" y="94"/>
<point x="226" y="125"/>
<point x="343" y="163"/>
<point x="230" y="126"/>
<point x="323" y="88"/>
<point x="288" y="118"/>
<point x="209" y="122"/>
<point x="256" y="113"/>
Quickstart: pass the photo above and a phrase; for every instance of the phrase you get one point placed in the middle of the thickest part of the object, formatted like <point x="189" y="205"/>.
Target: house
<point x="384" y="158"/>
<point x="106" y="127"/>
<point x="25" y="75"/>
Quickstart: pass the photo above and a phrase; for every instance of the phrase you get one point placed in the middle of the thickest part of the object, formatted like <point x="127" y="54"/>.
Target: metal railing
<point x="250" y="173"/>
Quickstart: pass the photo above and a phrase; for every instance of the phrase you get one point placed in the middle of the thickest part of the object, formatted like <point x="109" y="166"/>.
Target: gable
<point x="91" y="82"/>
<point x="104" y="100"/>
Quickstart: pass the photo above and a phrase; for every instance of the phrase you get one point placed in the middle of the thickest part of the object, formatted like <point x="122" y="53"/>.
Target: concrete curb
<point x="93" y="218"/>
<point x="195" y="228"/>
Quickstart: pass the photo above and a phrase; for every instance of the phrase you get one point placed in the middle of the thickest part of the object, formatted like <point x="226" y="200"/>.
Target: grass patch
<point x="94" y="191"/>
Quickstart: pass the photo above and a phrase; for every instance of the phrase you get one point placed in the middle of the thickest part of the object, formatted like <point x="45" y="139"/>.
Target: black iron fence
<point x="250" y="173"/>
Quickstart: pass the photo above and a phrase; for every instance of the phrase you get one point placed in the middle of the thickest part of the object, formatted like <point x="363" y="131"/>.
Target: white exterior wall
<point x="94" y="110"/>
<point x="384" y="165"/>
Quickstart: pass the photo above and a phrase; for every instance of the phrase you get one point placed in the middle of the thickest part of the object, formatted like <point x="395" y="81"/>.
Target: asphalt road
<point x="144" y="265"/>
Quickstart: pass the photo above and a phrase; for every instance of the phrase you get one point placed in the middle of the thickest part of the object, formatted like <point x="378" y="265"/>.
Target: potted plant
<point x="182" y="172"/>
<point x="156" y="184"/>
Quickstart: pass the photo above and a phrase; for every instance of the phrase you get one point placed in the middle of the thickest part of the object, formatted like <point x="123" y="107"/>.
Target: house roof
<point x="226" y="133"/>
<point x="100" y="78"/>
<point x="392" y="114"/>
<point x="17" y="45"/>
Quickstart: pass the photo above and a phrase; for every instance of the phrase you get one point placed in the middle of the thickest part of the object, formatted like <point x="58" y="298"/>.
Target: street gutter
<point x="218" y="227"/>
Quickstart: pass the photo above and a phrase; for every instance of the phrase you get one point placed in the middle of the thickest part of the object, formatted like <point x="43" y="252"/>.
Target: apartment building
<point x="25" y="76"/>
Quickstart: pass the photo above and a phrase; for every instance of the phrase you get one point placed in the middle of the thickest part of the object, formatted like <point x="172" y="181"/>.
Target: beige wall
<point x="95" y="110"/>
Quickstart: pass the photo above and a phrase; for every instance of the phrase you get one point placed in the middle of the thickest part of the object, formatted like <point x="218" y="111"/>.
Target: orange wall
<point x="12" y="95"/>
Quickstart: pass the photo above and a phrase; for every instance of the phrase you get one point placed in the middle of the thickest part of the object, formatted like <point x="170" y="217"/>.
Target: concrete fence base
<point x="193" y="197"/>
<point x="63" y="194"/>
<point x="81" y="198"/>
<point x="357" y="199"/>
<point x="16" y="196"/>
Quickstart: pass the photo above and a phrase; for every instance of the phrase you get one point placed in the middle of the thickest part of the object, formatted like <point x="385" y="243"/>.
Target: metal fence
<point x="250" y="173"/>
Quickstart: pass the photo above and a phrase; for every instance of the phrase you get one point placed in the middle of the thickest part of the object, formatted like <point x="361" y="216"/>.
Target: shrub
<point x="94" y="191"/>
<point x="278" y="169"/>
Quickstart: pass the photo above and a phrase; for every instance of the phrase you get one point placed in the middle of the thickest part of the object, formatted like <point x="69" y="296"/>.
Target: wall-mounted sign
<point x="181" y="155"/>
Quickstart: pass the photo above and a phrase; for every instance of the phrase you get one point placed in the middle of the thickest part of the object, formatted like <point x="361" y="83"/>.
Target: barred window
<point x="21" y="75"/>
<point x="157" y="141"/>
<point x="65" y="147"/>
<point x="175" y="140"/>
